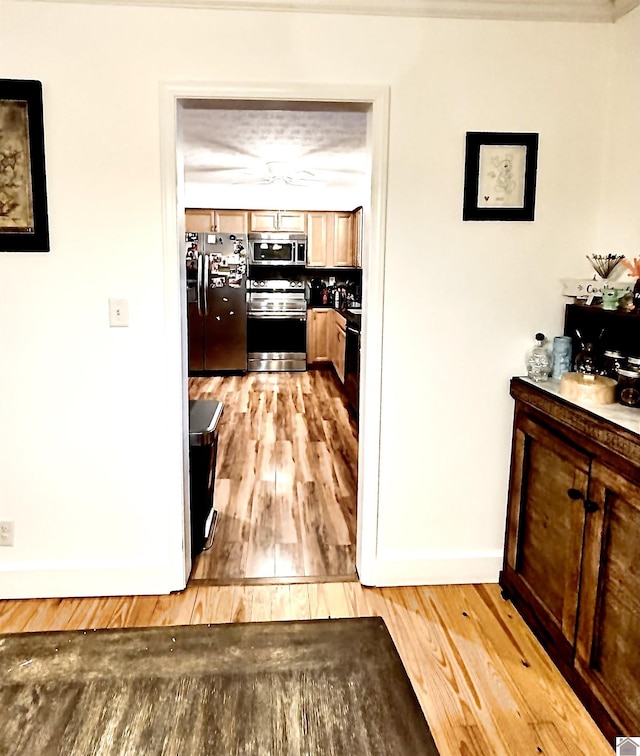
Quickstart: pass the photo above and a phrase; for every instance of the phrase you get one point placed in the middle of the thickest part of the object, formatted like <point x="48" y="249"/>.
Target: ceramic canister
<point x="561" y="356"/>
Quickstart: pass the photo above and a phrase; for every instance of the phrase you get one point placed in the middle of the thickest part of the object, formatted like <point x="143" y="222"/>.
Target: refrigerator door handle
<point x="199" y="285"/>
<point x="205" y="284"/>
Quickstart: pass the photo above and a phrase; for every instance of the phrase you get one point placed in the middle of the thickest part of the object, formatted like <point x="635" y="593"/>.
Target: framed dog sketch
<point x="24" y="224"/>
<point x="500" y="176"/>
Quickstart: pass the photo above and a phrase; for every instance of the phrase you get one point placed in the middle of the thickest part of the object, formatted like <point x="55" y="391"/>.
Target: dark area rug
<point x="316" y="687"/>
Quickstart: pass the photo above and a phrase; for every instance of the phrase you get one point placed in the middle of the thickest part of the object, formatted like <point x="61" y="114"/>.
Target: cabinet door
<point x="340" y="346"/>
<point x="294" y="222"/>
<point x="317" y="235"/>
<point x="545" y="524"/>
<point x="231" y="221"/>
<point x="339" y="343"/>
<point x="357" y="236"/>
<point x="199" y="220"/>
<point x="608" y="641"/>
<point x="343" y="250"/>
<point x="318" y="322"/>
<point x="269" y="221"/>
<point x="264" y="221"/>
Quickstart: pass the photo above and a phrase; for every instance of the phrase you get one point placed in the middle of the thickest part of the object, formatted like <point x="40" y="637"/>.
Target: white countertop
<point x="626" y="417"/>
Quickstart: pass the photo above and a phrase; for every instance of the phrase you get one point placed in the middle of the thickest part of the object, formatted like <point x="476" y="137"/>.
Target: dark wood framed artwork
<point x="24" y="224"/>
<point x="500" y="176"/>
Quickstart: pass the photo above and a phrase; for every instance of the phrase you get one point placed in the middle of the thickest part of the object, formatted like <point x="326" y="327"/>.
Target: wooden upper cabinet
<point x="343" y="250"/>
<point x="232" y="221"/>
<point x="292" y="222"/>
<point x="263" y="221"/>
<point x="331" y="240"/>
<point x="608" y="640"/>
<point x="198" y="220"/>
<point x="222" y="221"/>
<point x="544" y="542"/>
<point x="358" y="235"/>
<point x="317" y="239"/>
<point x="272" y="221"/>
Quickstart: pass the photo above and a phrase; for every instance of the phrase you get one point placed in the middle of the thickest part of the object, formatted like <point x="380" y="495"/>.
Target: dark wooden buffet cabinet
<point x="572" y="550"/>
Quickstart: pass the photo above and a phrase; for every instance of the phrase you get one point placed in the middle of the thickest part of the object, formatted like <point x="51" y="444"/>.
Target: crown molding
<point x="590" y="11"/>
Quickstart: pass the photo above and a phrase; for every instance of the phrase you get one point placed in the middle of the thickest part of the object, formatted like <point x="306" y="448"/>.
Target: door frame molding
<point x="376" y="99"/>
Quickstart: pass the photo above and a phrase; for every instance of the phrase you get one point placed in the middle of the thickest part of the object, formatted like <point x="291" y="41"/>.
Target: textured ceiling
<point x="273" y="142"/>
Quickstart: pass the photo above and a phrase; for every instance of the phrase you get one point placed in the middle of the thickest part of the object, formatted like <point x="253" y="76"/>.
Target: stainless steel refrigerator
<point x="216" y="302"/>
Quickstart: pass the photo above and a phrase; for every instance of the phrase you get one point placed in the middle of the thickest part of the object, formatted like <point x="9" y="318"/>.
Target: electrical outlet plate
<point x="6" y="533"/>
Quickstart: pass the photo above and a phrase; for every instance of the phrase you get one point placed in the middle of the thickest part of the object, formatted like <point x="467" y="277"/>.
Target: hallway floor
<point x="286" y="479"/>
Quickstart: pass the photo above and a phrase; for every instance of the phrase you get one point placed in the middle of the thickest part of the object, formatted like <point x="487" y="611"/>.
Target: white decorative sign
<point x="585" y="288"/>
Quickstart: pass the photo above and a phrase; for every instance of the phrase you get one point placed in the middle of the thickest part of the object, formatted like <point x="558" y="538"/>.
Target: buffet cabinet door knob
<point x="590" y="506"/>
<point x="574" y="494"/>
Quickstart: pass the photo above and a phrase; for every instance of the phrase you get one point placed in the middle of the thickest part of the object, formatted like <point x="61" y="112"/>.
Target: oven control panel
<point x="276" y="284"/>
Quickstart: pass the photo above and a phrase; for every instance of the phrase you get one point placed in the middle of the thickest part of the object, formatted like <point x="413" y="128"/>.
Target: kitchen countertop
<point x="354" y="318"/>
<point x="625" y="417"/>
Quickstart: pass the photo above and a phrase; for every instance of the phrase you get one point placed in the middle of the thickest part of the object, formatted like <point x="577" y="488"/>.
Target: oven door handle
<point x="275" y="316"/>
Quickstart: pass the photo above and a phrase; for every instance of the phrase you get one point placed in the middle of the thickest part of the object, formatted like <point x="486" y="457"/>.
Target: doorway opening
<point x="272" y="406"/>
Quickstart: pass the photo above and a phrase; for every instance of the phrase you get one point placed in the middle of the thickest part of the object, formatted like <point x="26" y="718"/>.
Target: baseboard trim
<point x="81" y="579"/>
<point x="434" y="568"/>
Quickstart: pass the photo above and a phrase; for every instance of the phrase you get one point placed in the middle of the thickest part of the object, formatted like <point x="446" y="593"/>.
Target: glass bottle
<point x="586" y="360"/>
<point x="539" y="360"/>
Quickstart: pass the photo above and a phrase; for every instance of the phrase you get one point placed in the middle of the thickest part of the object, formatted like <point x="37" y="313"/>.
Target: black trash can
<point x="204" y="417"/>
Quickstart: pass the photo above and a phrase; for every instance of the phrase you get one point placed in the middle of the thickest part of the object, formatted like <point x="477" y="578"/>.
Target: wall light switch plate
<point x="118" y="313"/>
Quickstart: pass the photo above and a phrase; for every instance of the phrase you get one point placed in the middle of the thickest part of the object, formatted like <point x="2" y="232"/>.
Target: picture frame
<point x="24" y="222"/>
<point x="500" y="176"/>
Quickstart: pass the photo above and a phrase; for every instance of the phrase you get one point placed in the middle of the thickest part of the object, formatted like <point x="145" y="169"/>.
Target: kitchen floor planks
<point x="286" y="479"/>
<point x="483" y="680"/>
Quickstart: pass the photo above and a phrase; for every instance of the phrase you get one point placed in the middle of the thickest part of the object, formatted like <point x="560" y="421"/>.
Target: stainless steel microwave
<point x="278" y="249"/>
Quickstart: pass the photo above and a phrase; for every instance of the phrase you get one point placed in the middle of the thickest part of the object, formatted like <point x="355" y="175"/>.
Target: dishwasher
<point x="352" y="367"/>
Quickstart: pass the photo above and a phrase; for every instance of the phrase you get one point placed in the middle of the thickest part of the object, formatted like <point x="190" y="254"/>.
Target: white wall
<point x="620" y="197"/>
<point x="90" y="467"/>
<point x="197" y="194"/>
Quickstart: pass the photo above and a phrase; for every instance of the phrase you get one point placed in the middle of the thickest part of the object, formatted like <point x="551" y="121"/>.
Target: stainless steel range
<point x="276" y="325"/>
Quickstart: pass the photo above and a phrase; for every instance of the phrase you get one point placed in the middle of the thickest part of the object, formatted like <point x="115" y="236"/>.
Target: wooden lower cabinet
<point x="544" y="544"/>
<point x="339" y="344"/>
<point x="326" y="338"/>
<point x="572" y="549"/>
<point x="319" y="322"/>
<point x="608" y="639"/>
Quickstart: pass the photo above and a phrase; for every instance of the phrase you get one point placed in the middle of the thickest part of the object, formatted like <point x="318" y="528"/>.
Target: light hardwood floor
<point x="483" y="681"/>
<point x="286" y="478"/>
